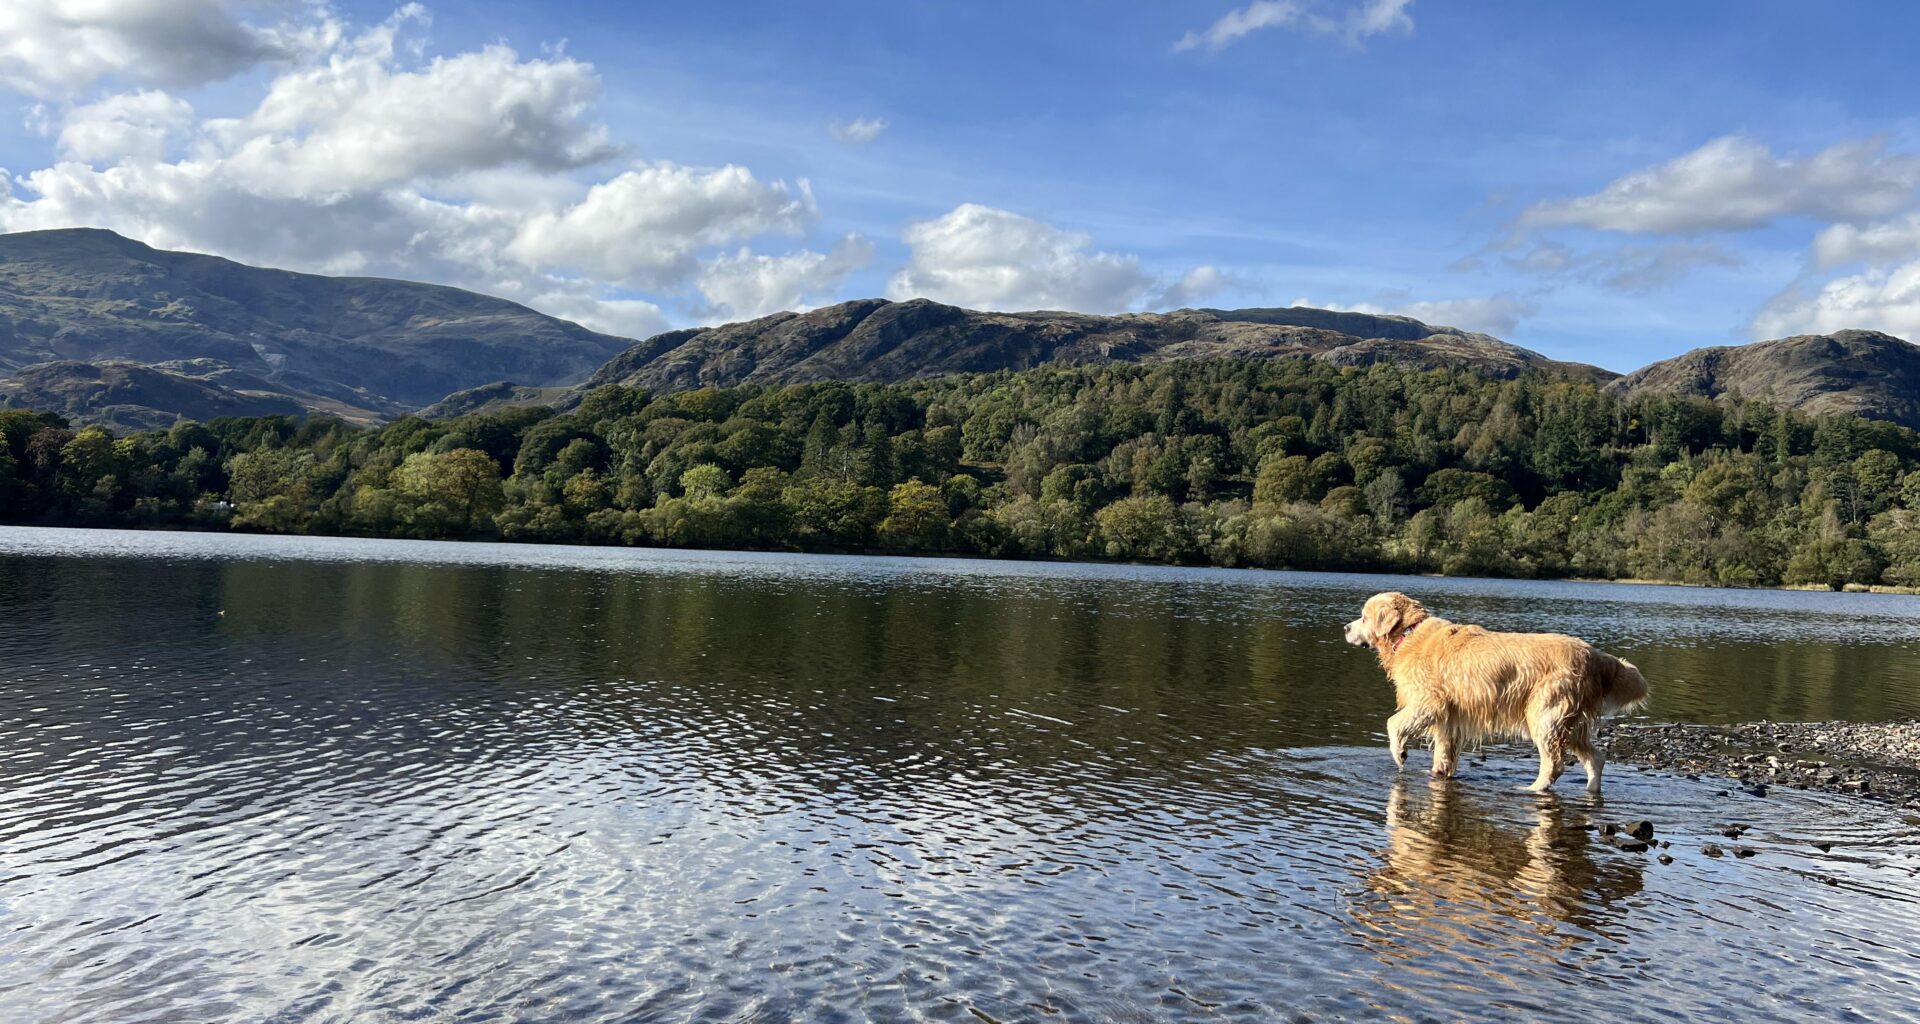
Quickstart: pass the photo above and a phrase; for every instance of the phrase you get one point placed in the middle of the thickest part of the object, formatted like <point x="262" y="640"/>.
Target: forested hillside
<point x="1230" y="462"/>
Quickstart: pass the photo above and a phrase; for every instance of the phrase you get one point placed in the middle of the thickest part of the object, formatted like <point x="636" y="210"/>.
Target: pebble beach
<point x="1877" y="761"/>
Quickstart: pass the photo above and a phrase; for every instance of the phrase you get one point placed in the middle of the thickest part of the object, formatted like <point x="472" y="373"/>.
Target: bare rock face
<point x="132" y="396"/>
<point x="1861" y="373"/>
<point x="375" y="345"/>
<point x="878" y="340"/>
<point x="491" y="398"/>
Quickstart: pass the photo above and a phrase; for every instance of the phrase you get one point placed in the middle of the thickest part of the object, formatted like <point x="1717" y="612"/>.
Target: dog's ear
<point x="1382" y="613"/>
<point x="1389" y="613"/>
<point x="1412" y="612"/>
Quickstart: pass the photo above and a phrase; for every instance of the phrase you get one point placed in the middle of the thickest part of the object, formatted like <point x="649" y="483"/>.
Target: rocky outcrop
<point x="1861" y="373"/>
<point x="492" y="397"/>
<point x="878" y="340"/>
<point x="133" y="396"/>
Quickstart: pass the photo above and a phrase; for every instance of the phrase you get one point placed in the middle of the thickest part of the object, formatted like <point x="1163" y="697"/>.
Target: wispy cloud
<point x="859" y="131"/>
<point x="1734" y="183"/>
<point x="1353" y="22"/>
<point x="1635" y="269"/>
<point x="1496" y="314"/>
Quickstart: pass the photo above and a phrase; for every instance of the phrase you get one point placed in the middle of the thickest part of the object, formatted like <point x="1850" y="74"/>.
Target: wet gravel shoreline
<point x="1877" y="761"/>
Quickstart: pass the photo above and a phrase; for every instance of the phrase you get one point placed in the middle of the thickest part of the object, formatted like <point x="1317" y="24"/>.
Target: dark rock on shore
<point x="1878" y="761"/>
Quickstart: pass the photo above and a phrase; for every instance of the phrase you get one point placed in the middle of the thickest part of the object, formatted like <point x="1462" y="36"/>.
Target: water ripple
<point x="440" y="782"/>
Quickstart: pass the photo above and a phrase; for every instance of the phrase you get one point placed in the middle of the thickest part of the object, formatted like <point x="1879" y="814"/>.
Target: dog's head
<point x="1384" y="616"/>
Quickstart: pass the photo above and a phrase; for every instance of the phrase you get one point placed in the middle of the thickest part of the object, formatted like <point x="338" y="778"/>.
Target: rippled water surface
<point x="257" y="779"/>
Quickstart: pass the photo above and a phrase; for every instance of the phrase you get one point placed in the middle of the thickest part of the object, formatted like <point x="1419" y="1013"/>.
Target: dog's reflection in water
<point x="1455" y="872"/>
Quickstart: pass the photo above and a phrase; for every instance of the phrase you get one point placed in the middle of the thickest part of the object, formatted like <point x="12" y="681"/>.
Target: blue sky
<point x="1613" y="183"/>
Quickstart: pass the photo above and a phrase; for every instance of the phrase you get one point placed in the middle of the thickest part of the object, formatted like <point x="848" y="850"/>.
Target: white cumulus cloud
<point x="746" y="285"/>
<point x="1880" y="300"/>
<point x="465" y="169"/>
<point x="137" y="124"/>
<point x="1879" y="243"/>
<point x="644" y="227"/>
<point x="985" y="258"/>
<point x="626" y="318"/>
<point x="1353" y="21"/>
<point x="360" y="121"/>
<point x="1734" y="184"/>
<point x="58" y="47"/>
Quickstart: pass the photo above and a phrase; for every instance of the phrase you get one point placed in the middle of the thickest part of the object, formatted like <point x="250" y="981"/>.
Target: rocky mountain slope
<point x="878" y="340"/>
<point x="1862" y="373"/>
<point x="364" y="347"/>
<point x="105" y="329"/>
<point x="132" y="396"/>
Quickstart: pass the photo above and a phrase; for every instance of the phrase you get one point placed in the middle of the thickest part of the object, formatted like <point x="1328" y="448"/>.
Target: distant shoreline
<point x="1852" y="588"/>
<point x="1812" y="588"/>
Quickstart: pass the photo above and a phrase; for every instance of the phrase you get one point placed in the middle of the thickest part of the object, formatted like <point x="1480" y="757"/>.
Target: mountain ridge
<point x="103" y="328"/>
<point x="879" y="339"/>
<point x="375" y="345"/>
<point x="1849" y="372"/>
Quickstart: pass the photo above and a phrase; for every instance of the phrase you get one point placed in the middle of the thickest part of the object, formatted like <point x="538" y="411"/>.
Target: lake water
<point x="279" y="779"/>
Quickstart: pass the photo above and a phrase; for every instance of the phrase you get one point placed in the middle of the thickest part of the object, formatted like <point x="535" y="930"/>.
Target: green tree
<point x="705" y="482"/>
<point x="1831" y="557"/>
<point x="1447" y="487"/>
<point x="1283" y="478"/>
<point x="1146" y="527"/>
<point x="916" y="517"/>
<point x="453" y="493"/>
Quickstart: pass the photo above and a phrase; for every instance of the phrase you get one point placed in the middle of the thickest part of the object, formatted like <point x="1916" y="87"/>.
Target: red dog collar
<point x="1402" y="637"/>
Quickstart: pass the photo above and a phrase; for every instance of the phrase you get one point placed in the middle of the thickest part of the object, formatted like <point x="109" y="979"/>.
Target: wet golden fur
<point x="1459" y="684"/>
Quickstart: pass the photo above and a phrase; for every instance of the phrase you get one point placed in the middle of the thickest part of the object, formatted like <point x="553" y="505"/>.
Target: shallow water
<point x="315" y="779"/>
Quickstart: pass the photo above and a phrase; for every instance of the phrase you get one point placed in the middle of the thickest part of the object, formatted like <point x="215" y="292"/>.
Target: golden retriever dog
<point x="1460" y="684"/>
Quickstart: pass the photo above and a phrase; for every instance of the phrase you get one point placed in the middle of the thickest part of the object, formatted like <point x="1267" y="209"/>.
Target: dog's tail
<point x="1622" y="687"/>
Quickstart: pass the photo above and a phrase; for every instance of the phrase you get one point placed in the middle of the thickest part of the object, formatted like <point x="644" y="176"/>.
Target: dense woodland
<point x="1283" y="463"/>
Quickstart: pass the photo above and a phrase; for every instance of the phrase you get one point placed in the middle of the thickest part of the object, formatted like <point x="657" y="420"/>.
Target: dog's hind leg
<point x="1446" y="751"/>
<point x="1590" y="759"/>
<point x="1553" y="756"/>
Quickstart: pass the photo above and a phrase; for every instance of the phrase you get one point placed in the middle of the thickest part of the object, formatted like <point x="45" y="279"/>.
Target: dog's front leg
<point x="1396" y="738"/>
<point x="1402" y="727"/>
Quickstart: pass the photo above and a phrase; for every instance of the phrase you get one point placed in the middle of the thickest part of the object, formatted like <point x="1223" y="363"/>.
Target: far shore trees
<point x="1226" y="462"/>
